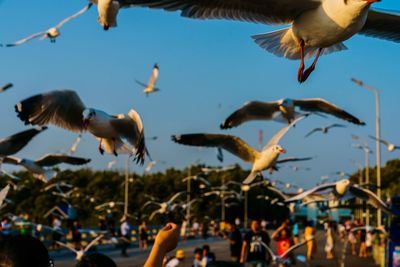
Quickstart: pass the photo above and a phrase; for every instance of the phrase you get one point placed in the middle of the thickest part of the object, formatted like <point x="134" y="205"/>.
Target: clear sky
<point x="207" y="70"/>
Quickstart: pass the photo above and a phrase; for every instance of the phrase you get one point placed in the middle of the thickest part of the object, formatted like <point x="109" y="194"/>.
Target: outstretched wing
<point x="92" y="243"/>
<point x="313" y="131"/>
<point x="311" y="191"/>
<point x="55" y="159"/>
<point x="26" y="39"/>
<point x="277" y="137"/>
<point x="3" y="194"/>
<point x="321" y="105"/>
<point x="369" y="196"/>
<point x="383" y="25"/>
<point x="80" y="12"/>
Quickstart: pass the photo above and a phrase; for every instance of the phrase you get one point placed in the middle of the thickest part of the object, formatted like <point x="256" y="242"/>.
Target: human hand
<point x="167" y="238"/>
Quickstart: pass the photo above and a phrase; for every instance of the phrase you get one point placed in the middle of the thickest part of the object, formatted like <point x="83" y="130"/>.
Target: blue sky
<point x="202" y="64"/>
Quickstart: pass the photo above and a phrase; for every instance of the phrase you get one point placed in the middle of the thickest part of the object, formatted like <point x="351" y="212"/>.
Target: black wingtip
<point x="175" y="138"/>
<point x="225" y="125"/>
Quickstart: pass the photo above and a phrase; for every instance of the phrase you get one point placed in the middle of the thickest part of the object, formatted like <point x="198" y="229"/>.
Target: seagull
<point x="284" y="110"/>
<point x="285" y="160"/>
<point x="80" y="253"/>
<point x="111" y="164"/>
<point x="14" y="143"/>
<point x="110" y="204"/>
<point x="37" y="167"/>
<point x="261" y="160"/>
<point x="150" y="166"/>
<point x="219" y="169"/>
<point x="108" y="12"/>
<point x="316" y="27"/>
<point x="6" y="87"/>
<point x="65" y="109"/>
<point x="197" y="179"/>
<point x="74" y="146"/>
<point x="3" y="194"/>
<point x="390" y="147"/>
<point x="284" y="259"/>
<point x="164" y="207"/>
<point x="54" y="32"/>
<point x="325" y="130"/>
<point x="344" y="190"/>
<point x="150" y="86"/>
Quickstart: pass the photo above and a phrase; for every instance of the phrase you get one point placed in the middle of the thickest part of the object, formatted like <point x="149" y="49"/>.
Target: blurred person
<point x="178" y="260"/>
<point x="183" y="230"/>
<point x="204" y="228"/>
<point x="235" y="242"/>
<point x="56" y="235"/>
<point x="363" y="248"/>
<point x="330" y="242"/>
<point x="253" y="252"/>
<point x="76" y="235"/>
<point x="208" y="256"/>
<point x="309" y="233"/>
<point x="368" y="242"/>
<point x="166" y="240"/>
<point x="125" y="229"/>
<point x="96" y="260"/>
<point x="143" y="236"/>
<point x="24" y="251"/>
<point x="195" y="228"/>
<point x="26" y="226"/>
<point x="353" y="241"/>
<point x="198" y="256"/>
<point x="283" y="238"/>
<point x="238" y="223"/>
<point x="5" y="228"/>
<point x="264" y="225"/>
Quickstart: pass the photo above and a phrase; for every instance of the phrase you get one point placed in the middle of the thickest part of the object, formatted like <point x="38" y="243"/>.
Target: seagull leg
<point x="101" y="150"/>
<point x="312" y="67"/>
<point x="114" y="148"/>
<point x="301" y="68"/>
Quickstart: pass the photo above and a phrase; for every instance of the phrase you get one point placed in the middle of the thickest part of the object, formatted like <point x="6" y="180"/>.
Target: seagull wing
<point x="11" y="160"/>
<point x="313" y="131"/>
<point x="6" y="87"/>
<point x="233" y="144"/>
<point x="370" y="197"/>
<point x="382" y="24"/>
<point x="62" y="107"/>
<point x="292" y="248"/>
<point x="386" y="143"/>
<point x="27" y="39"/>
<point x="92" y="243"/>
<point x="14" y="143"/>
<point x="177" y="195"/>
<point x="318" y="188"/>
<point x="321" y="105"/>
<point x="55" y="159"/>
<point x="335" y="125"/>
<point x="140" y="83"/>
<point x="278" y="192"/>
<point x="254" y="110"/>
<point x="277" y="137"/>
<point x="3" y="194"/>
<point x="80" y="12"/>
<point x="292" y="159"/>
<point x="259" y="11"/>
<point x="153" y="77"/>
<point x="131" y="128"/>
<point x="67" y="247"/>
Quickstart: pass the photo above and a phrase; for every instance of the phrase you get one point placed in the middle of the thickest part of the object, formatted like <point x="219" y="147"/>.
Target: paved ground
<point x="221" y="249"/>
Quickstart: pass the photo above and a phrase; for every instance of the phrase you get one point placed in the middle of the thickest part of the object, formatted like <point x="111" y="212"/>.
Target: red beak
<point x="282" y="151"/>
<point x="372" y="1"/>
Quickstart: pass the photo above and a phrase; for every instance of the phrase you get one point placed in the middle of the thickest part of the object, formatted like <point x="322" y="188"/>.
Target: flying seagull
<point x="285" y="110"/>
<point x="14" y="143"/>
<point x="80" y="253"/>
<point x="288" y="159"/>
<point x="6" y="87"/>
<point x="344" y="190"/>
<point x="150" y="86"/>
<point x="51" y="33"/>
<point x="74" y="146"/>
<point x="390" y="147"/>
<point x="37" y="167"/>
<point x="164" y="207"/>
<point x="316" y="27"/>
<point x="150" y="166"/>
<point x="3" y="194"/>
<point x="65" y="109"/>
<point x="108" y="12"/>
<point x="261" y="160"/>
<point x="325" y="130"/>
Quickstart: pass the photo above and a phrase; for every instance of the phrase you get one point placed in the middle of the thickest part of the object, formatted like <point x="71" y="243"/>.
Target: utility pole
<point x="126" y="185"/>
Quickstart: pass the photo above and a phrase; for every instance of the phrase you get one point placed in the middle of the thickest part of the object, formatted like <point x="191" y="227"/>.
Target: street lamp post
<point x="360" y="181"/>
<point x="126" y="185"/>
<point x="378" y="144"/>
<point x="245" y="189"/>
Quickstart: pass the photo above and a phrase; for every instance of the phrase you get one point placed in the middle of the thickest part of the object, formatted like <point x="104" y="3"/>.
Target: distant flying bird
<point x="51" y="33"/>
<point x="164" y="207"/>
<point x="14" y="143"/>
<point x="207" y="170"/>
<point x="74" y="146"/>
<point x="37" y="167"/>
<point x="284" y="110"/>
<point x="261" y="160"/>
<point x="150" y="87"/>
<point x="197" y="179"/>
<point x="317" y="27"/>
<point x="111" y="164"/>
<point x="3" y="194"/>
<point x="65" y="109"/>
<point x="325" y="130"/>
<point x="150" y="166"/>
<point x="344" y="190"/>
<point x="390" y="147"/>
<point x="6" y="87"/>
<point x="297" y="168"/>
<point x="220" y="155"/>
<point x="107" y="12"/>
<point x="110" y="204"/>
<point x="80" y="253"/>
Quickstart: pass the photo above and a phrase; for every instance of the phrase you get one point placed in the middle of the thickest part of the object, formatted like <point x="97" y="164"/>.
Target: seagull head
<point x="53" y="33"/>
<point x="88" y="115"/>
<point x="278" y="149"/>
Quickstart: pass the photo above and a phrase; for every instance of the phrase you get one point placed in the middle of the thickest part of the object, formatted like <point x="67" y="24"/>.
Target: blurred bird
<point x="344" y="190"/>
<point x="316" y="27"/>
<point x="3" y="194"/>
<point x="53" y="32"/>
<point x="284" y="110"/>
<point x="37" y="167"/>
<point x="390" y="147"/>
<point x="150" y="166"/>
<point x="80" y="253"/>
<point x="197" y="178"/>
<point x="107" y="12"/>
<point x="74" y="146"/>
<point x="111" y="164"/>
<point x="14" y="143"/>
<point x="150" y="86"/>
<point x="288" y="159"/>
<point x="6" y="87"/>
<point x="261" y="160"/>
<point x="164" y="207"/>
<point x="207" y="170"/>
<point x="110" y="204"/>
<point x="325" y="130"/>
<point x="65" y="109"/>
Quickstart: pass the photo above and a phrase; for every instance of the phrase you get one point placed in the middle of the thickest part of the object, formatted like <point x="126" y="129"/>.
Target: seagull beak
<point x="282" y="151"/>
<point x="372" y="1"/>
